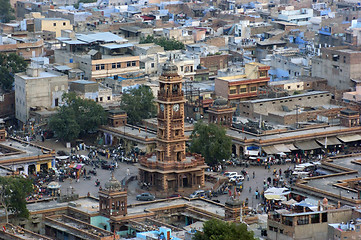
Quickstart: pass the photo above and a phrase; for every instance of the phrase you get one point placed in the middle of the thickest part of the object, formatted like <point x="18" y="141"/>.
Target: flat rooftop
<point x="19" y="150"/>
<point x="296" y="133"/>
<point x="204" y="205"/>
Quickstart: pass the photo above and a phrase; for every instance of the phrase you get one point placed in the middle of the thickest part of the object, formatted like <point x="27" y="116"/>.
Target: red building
<point x="245" y="86"/>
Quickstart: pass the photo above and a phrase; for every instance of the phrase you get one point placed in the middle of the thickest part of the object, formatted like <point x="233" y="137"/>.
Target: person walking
<point x="254" y="174"/>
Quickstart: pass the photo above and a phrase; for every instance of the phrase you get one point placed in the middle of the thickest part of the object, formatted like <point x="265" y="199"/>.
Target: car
<point x="230" y="174"/>
<point x="107" y="166"/>
<point x="198" y="194"/>
<point x="176" y="195"/>
<point x="236" y="178"/>
<point x="145" y="197"/>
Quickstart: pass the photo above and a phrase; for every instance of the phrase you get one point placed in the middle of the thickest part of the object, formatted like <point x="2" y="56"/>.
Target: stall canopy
<point x="307" y="145"/>
<point x="291" y="147"/>
<point x="350" y="138"/>
<point x="329" y="141"/>
<point x="276" y="149"/>
<point x="274" y="193"/>
<point x="270" y="150"/>
<point x="289" y="202"/>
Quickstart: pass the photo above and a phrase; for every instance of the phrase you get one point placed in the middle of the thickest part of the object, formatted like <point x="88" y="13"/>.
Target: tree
<point x="13" y="193"/>
<point x="6" y="11"/>
<point x="76" y="117"/>
<point x="138" y="103"/>
<point x="219" y="230"/>
<point x="168" y="44"/>
<point x="76" y="5"/>
<point x="211" y="141"/>
<point x="9" y="65"/>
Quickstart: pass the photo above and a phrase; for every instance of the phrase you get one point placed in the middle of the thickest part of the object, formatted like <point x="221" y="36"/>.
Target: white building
<point x="300" y="17"/>
<point x="38" y="88"/>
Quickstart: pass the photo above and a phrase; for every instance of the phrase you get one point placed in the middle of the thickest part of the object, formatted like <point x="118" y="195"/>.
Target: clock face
<point x="176" y="107"/>
<point x="161" y="106"/>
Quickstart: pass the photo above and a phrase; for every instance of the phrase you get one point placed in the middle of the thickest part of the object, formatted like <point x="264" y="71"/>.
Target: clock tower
<point x="170" y="169"/>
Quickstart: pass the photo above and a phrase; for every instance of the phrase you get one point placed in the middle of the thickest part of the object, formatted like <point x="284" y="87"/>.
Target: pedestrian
<point x="254" y="174"/>
<point x="128" y="172"/>
<point x="250" y="189"/>
<point x="247" y="177"/>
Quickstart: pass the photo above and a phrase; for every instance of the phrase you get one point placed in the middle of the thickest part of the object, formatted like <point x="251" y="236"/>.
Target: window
<point x="181" y="68"/>
<point x="108" y="98"/>
<point x="315" y="218"/>
<point x="324" y="217"/>
<point x="232" y="91"/>
<point x="64" y="23"/>
<point x="253" y="89"/>
<point x="263" y="74"/>
<point x="56" y="102"/>
<point x="114" y="65"/>
<point x="102" y="66"/>
<point x="289" y="87"/>
<point x="344" y="59"/>
<point x="243" y="90"/>
<point x="118" y="65"/>
<point x="152" y="65"/>
<point x="303" y="220"/>
<point x="101" y="99"/>
<point x="129" y="64"/>
<point x="134" y="63"/>
<point x="54" y="24"/>
<point x="97" y="67"/>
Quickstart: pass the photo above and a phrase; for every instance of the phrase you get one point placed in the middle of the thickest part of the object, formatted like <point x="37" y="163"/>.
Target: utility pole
<point x="297" y="107"/>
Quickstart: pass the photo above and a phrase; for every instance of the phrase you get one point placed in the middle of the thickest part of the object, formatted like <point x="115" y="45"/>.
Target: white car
<point x="236" y="178"/>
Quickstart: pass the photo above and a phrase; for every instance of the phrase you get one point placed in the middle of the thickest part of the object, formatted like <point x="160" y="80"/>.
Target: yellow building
<point x="52" y="25"/>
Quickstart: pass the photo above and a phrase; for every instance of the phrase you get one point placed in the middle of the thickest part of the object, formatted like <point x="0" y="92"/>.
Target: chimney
<point x="32" y="72"/>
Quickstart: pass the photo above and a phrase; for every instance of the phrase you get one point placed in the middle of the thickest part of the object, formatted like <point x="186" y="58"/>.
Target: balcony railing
<point x="164" y="166"/>
<point x="169" y="96"/>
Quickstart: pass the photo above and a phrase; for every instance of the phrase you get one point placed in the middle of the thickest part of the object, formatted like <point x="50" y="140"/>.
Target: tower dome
<point x="169" y="69"/>
<point x="113" y="184"/>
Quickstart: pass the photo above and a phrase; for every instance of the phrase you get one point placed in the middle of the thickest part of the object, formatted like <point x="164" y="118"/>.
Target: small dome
<point x="113" y="184"/>
<point x="169" y="68"/>
<point x="220" y="101"/>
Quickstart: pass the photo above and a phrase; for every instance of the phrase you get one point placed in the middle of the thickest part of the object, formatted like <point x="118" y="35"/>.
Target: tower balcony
<point x="189" y="162"/>
<point x="170" y="97"/>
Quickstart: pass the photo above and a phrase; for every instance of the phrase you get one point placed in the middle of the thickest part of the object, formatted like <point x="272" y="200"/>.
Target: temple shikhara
<point x="170" y="168"/>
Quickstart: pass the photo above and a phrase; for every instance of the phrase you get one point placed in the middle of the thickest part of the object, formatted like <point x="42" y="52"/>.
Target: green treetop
<point x="211" y="141"/>
<point x="219" y="230"/>
<point x="76" y="117"/>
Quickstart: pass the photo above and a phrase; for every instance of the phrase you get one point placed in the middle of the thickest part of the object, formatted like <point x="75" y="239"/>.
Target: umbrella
<point x="54" y="185"/>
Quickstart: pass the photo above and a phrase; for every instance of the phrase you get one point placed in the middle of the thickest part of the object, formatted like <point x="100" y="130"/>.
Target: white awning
<point x="251" y="153"/>
<point x="270" y="150"/>
<point x="282" y="148"/>
<point x="350" y="138"/>
<point x="291" y="147"/>
<point x="307" y="145"/>
<point x="331" y="141"/>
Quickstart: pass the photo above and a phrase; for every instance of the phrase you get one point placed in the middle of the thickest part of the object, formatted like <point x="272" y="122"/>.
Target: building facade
<point x="52" y="25"/>
<point x="37" y="88"/>
<point x="339" y="65"/>
<point x="245" y="86"/>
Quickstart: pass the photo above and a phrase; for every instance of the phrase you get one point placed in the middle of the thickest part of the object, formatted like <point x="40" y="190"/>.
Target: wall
<point x="338" y="72"/>
<point x="249" y="108"/>
<point x="54" y="25"/>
